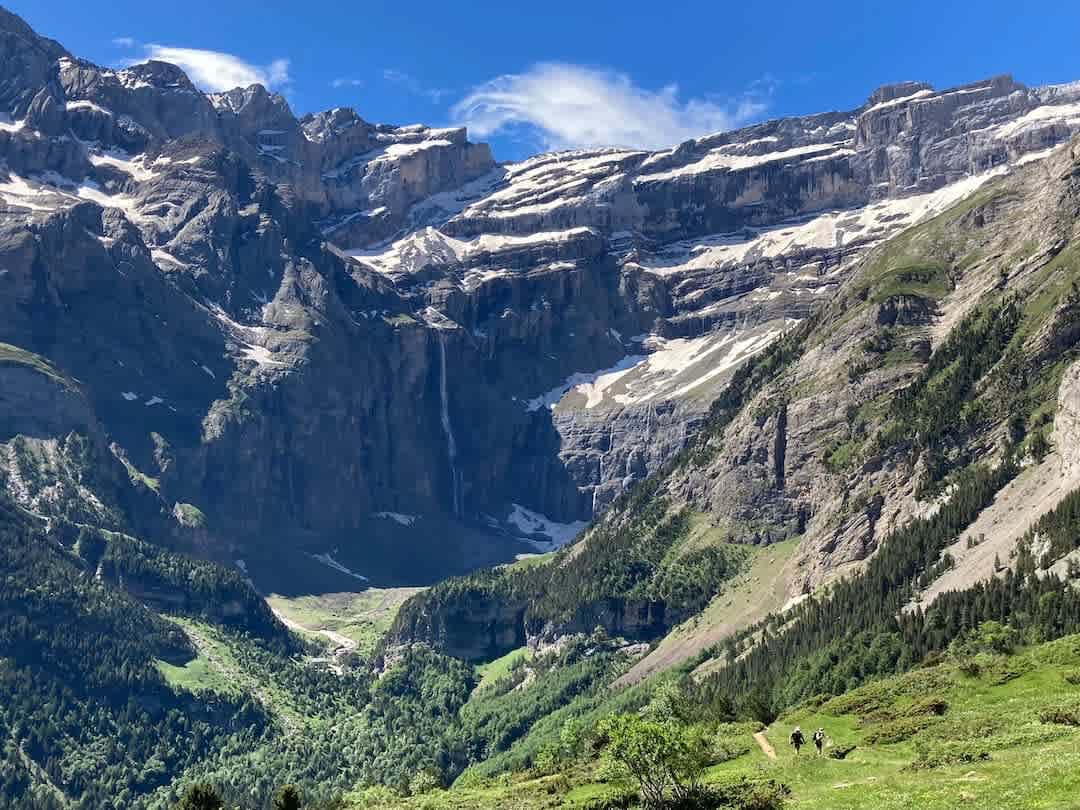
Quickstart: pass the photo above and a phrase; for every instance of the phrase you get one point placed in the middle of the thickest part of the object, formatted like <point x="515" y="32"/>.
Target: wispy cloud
<point x="123" y="42"/>
<point x="567" y="106"/>
<point x="414" y="85"/>
<point x="216" y="71"/>
<point x="345" y="82"/>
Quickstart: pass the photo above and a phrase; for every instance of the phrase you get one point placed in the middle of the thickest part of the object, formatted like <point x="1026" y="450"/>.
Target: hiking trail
<point x="764" y="744"/>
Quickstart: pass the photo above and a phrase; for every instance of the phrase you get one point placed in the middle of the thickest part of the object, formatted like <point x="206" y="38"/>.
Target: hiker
<point x="819" y="740"/>
<point x="797" y="739"/>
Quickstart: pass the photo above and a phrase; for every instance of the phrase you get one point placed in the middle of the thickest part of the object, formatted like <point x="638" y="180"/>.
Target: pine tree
<point x="201" y="796"/>
<point x="287" y="798"/>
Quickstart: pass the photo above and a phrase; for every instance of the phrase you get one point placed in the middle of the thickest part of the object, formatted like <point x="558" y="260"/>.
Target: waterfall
<point x="451" y="445"/>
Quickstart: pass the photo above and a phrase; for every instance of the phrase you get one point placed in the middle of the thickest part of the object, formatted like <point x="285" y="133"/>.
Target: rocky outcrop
<point x="477" y="626"/>
<point x="35" y="402"/>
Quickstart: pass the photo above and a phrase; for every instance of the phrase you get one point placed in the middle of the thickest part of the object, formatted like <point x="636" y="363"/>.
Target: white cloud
<point x="344" y="82"/>
<point x="216" y="71"/>
<point x="567" y="106"/>
<point x="413" y="85"/>
<point x="124" y="42"/>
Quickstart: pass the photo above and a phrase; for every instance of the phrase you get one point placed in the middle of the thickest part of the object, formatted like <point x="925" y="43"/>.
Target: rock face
<point x="298" y="324"/>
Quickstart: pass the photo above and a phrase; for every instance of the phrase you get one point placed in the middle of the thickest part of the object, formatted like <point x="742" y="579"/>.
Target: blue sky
<point x="528" y="76"/>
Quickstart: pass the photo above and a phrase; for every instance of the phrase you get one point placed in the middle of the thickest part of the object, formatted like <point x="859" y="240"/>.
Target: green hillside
<point x="985" y="726"/>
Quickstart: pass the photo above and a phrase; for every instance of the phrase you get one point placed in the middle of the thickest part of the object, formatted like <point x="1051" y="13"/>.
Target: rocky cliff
<point x="330" y="335"/>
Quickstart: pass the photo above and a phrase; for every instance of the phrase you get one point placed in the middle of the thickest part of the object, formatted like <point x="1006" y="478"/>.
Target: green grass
<point x="842" y="456"/>
<point x="364" y="617"/>
<point x="189" y="515"/>
<point x="757" y="589"/>
<point x="1031" y="765"/>
<point x="527" y="561"/>
<point x="921" y="280"/>
<point x="1049" y="285"/>
<point x="492" y="671"/>
<point x="197" y="675"/>
<point x="14" y="356"/>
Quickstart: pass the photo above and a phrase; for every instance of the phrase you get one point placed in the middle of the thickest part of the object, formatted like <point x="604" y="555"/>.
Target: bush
<point x="201" y="796"/>
<point x="423" y="782"/>
<point x="936" y="755"/>
<point x="617" y="800"/>
<point x="898" y="730"/>
<point x="732" y="740"/>
<point x="375" y="797"/>
<point x="558" y="784"/>
<point x="841" y="751"/>
<point x="666" y="760"/>
<point x="1073" y="678"/>
<point x="1067" y="714"/>
<point x="287" y="798"/>
<point x="989" y="637"/>
<point x="748" y="794"/>
<point x="932" y="706"/>
<point x="970" y="668"/>
<point x="761" y="705"/>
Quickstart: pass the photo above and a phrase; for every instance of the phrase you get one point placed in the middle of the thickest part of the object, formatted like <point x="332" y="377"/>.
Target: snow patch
<point x="595" y="382"/>
<point x="260" y="355"/>
<point x="86" y="104"/>
<point x="328" y="560"/>
<point x="896" y="102"/>
<point x="118" y="159"/>
<point x="723" y="158"/>
<point x="532" y="523"/>
<point x="1068" y="114"/>
<point x="398" y="517"/>
<point x="832" y="230"/>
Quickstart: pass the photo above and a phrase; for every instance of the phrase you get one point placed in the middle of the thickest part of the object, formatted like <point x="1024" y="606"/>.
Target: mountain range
<point x="691" y="390"/>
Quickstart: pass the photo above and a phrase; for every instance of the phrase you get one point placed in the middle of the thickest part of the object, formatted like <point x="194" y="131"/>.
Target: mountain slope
<point x="328" y="322"/>
<point x="950" y="348"/>
<point x="981" y="726"/>
<point x="814" y="382"/>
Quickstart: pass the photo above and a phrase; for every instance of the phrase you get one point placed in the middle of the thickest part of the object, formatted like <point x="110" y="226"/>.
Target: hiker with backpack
<point x="797" y="739"/>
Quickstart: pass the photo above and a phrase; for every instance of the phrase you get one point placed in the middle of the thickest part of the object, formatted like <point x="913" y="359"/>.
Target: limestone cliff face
<point x="929" y="365"/>
<point x="299" y="324"/>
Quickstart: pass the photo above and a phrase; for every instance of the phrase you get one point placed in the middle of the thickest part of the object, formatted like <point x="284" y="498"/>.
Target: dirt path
<point x="341" y="641"/>
<point x="764" y="744"/>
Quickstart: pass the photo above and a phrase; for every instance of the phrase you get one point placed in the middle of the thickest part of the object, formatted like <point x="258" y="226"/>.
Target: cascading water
<point x="451" y="445"/>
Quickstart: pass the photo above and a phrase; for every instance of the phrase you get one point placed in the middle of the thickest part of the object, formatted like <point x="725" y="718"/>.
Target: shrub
<point x="932" y="706"/>
<point x="287" y="798"/>
<point x="1066" y="714"/>
<point x="970" y="667"/>
<point x="841" y="751"/>
<point x="375" y="796"/>
<point x="936" y="755"/>
<point x="749" y="794"/>
<point x="731" y="740"/>
<point x="663" y="758"/>
<point x="898" y="730"/>
<point x="617" y="800"/>
<point x="201" y="796"/>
